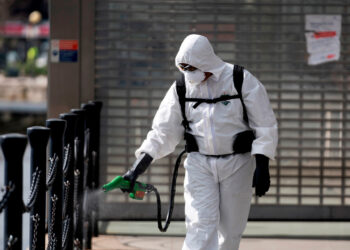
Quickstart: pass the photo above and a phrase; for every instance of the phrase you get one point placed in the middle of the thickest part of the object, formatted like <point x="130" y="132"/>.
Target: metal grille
<point x="136" y="43"/>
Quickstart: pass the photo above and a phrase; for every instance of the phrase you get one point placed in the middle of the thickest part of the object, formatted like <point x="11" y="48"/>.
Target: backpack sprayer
<point x="140" y="189"/>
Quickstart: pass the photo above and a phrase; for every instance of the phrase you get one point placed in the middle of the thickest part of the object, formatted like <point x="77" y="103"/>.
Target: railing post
<point x="89" y="107"/>
<point x="79" y="177"/>
<point x="68" y="172"/>
<point x="38" y="138"/>
<point x="13" y="147"/>
<point x="55" y="183"/>
<point x="95" y="140"/>
<point x="95" y="154"/>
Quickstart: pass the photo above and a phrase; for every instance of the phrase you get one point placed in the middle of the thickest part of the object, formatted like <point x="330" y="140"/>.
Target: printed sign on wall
<point x="64" y="50"/>
<point x="323" y="38"/>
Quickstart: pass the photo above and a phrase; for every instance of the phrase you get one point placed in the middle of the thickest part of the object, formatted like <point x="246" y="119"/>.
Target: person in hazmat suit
<point x="218" y="181"/>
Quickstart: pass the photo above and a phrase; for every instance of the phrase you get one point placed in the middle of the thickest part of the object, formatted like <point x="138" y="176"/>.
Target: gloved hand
<point x="139" y="167"/>
<point x="261" y="179"/>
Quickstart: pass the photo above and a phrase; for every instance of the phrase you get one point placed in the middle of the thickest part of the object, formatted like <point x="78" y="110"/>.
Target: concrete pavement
<point x="110" y="242"/>
<point x="254" y="229"/>
<point x="141" y="235"/>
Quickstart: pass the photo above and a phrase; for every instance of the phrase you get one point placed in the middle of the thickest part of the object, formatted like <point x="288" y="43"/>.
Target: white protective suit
<point x="218" y="190"/>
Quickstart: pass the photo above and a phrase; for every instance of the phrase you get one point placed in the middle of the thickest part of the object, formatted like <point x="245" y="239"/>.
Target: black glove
<point x="261" y="179"/>
<point x="139" y="167"/>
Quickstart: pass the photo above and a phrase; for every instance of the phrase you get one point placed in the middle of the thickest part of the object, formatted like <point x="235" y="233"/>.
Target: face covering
<point x="194" y="77"/>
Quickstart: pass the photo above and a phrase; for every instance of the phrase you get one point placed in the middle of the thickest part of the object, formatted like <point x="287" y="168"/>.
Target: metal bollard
<point x="89" y="108"/>
<point x="68" y="172"/>
<point x="38" y="138"/>
<point x="80" y="179"/>
<point x="95" y="154"/>
<point x="13" y="147"/>
<point x="55" y="183"/>
<point x="95" y="140"/>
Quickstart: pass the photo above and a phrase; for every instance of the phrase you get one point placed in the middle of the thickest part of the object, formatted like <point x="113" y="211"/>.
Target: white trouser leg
<point x="235" y="200"/>
<point x="201" y="208"/>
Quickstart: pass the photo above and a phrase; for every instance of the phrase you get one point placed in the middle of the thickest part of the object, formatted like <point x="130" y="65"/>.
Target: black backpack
<point x="243" y="141"/>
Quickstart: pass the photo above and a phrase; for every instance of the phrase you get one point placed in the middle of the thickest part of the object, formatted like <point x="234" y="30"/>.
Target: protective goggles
<point x="187" y="67"/>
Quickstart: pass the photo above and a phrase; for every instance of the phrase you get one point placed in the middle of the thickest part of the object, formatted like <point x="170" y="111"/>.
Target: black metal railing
<point x="69" y="176"/>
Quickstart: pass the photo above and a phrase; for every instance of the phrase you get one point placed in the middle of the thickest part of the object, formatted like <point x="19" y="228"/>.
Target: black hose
<point x="151" y="188"/>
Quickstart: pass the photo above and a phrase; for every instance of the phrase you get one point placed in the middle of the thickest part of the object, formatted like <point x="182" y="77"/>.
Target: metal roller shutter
<point x="136" y="43"/>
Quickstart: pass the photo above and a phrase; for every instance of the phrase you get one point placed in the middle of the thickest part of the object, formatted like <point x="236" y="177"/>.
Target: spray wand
<point x="119" y="182"/>
<point x="140" y="189"/>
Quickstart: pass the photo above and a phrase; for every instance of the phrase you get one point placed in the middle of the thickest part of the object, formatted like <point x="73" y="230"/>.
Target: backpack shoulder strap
<point x="238" y="77"/>
<point x="181" y="92"/>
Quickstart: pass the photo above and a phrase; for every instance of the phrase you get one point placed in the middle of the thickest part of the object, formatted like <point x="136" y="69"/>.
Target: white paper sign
<point x="323" y="38"/>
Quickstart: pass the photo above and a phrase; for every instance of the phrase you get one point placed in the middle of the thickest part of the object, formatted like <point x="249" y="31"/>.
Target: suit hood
<point x="197" y="51"/>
